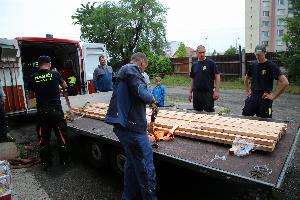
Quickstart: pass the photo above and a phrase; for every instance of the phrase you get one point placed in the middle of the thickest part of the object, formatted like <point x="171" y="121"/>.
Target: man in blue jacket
<point x="102" y="76"/>
<point x="127" y="112"/>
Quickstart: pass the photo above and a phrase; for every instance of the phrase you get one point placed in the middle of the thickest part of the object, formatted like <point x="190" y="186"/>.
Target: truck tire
<point x="117" y="161"/>
<point x="96" y="153"/>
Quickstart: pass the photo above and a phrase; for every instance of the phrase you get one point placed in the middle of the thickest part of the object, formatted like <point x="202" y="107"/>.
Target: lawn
<point x="237" y="84"/>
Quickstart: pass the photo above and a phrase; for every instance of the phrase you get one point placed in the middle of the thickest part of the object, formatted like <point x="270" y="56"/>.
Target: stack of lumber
<point x="212" y="128"/>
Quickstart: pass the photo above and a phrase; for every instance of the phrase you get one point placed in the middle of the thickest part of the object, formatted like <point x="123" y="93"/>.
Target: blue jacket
<point x="102" y="77"/>
<point x="159" y="93"/>
<point x="127" y="106"/>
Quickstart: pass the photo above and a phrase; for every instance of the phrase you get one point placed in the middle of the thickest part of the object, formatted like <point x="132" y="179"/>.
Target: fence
<point x="231" y="67"/>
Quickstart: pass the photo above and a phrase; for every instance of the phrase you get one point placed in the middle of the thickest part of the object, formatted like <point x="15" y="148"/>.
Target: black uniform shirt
<point x="203" y="73"/>
<point x="263" y="75"/>
<point x="45" y="85"/>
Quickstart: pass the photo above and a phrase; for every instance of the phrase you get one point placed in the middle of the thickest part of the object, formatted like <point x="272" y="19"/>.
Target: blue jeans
<point x="139" y="175"/>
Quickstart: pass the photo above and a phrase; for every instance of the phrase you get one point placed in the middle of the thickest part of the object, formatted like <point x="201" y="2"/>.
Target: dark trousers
<point x="203" y="101"/>
<point x="139" y="174"/>
<point x="3" y="123"/>
<point x="72" y="90"/>
<point x="52" y="118"/>
<point x="256" y="105"/>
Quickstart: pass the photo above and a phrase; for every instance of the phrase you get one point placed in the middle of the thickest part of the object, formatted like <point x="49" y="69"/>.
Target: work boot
<point x="46" y="166"/>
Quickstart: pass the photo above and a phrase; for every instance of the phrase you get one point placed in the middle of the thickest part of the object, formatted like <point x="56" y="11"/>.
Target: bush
<point x="159" y="65"/>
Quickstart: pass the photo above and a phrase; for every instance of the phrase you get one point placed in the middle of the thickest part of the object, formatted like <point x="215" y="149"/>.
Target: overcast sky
<point x="188" y="21"/>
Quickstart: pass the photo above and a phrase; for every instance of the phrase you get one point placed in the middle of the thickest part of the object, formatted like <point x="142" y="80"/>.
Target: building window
<point x="265" y="33"/>
<point x="280" y="12"/>
<point x="266" y="13"/>
<point x="279" y="43"/>
<point x="280" y="2"/>
<point x="265" y="23"/>
<point x="266" y="43"/>
<point x="265" y="3"/>
<point x="280" y="22"/>
<point x="279" y="33"/>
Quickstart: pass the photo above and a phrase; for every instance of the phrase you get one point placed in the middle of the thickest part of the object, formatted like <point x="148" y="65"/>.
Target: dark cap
<point x="43" y="59"/>
<point x="260" y="48"/>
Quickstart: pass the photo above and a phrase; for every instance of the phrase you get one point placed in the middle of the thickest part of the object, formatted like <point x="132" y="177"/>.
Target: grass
<point x="22" y="151"/>
<point x="237" y="84"/>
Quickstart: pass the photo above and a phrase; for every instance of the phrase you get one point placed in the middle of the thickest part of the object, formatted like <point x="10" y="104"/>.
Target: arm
<point x="216" y="94"/>
<point x="138" y="88"/>
<point x="191" y="90"/>
<point x="247" y="85"/>
<point x="95" y="80"/>
<point x="2" y="94"/>
<point x="283" y="84"/>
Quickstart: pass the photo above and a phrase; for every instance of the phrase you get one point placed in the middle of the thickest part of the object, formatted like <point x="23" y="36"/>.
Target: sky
<point x="216" y="24"/>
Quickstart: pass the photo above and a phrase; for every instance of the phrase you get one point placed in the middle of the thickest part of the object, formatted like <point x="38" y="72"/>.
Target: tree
<point x="125" y="27"/>
<point x="181" y="51"/>
<point x="214" y="53"/>
<point x="231" y="51"/>
<point x="291" y="58"/>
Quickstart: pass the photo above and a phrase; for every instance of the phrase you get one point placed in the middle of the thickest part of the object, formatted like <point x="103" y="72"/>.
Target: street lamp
<point x="207" y="43"/>
<point x="236" y="44"/>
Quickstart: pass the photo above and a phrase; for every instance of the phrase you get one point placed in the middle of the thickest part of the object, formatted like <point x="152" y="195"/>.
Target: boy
<point x="159" y="92"/>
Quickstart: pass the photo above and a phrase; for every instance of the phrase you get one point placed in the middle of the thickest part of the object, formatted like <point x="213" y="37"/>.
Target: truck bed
<point x="199" y="155"/>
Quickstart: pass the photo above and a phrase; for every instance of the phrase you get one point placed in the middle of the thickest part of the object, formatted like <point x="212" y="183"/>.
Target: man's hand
<point x="268" y="96"/>
<point x="249" y="92"/>
<point x="216" y="95"/>
<point x="2" y="100"/>
<point x="190" y="96"/>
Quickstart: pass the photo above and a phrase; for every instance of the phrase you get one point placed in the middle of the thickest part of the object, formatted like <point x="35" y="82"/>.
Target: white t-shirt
<point x="147" y="79"/>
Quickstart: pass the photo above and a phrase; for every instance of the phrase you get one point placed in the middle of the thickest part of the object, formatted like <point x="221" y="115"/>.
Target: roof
<point x="39" y="39"/>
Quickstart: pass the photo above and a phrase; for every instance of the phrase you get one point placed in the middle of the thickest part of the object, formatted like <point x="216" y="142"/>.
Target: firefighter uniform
<point x="50" y="116"/>
<point x="262" y="77"/>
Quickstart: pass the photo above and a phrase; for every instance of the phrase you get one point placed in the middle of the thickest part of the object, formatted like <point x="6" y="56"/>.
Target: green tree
<point x="214" y="53"/>
<point x="181" y="51"/>
<point x="231" y="51"/>
<point x="124" y="26"/>
<point x="291" y="58"/>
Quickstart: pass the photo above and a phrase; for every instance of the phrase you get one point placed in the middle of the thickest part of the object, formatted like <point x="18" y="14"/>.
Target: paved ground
<point x="81" y="181"/>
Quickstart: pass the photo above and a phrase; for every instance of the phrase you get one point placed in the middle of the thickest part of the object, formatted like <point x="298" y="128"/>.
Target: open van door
<point x="11" y="77"/>
<point x="91" y="53"/>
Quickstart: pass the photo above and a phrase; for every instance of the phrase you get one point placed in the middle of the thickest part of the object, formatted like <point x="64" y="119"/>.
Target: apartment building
<point x="265" y="23"/>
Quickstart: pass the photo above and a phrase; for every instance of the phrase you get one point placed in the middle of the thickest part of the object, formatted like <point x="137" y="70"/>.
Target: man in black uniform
<point x="45" y="85"/>
<point x="204" y="73"/>
<point x="262" y="73"/>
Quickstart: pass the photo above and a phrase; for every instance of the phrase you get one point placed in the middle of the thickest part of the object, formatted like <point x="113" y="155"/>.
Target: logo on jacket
<point x="263" y="72"/>
<point x="204" y="68"/>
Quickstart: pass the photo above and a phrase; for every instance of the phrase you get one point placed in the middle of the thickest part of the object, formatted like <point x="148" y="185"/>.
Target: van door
<point x="91" y="53"/>
<point x="11" y="77"/>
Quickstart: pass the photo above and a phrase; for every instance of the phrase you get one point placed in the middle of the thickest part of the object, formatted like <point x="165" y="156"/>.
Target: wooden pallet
<point x="214" y="128"/>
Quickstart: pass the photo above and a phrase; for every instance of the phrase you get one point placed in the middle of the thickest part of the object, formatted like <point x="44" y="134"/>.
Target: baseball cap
<point x="260" y="48"/>
<point x="43" y="59"/>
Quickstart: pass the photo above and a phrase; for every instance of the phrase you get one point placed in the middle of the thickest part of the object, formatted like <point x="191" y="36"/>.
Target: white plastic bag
<point x="242" y="146"/>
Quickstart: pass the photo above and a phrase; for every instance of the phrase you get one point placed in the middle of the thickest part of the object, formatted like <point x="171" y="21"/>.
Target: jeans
<point x="139" y="175"/>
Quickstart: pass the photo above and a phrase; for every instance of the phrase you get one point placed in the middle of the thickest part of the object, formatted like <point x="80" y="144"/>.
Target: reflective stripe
<point x="270" y="111"/>
<point x="61" y="136"/>
<point x="40" y="134"/>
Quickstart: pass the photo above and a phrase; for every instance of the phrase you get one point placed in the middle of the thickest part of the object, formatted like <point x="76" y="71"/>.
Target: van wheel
<point x="96" y="153"/>
<point x="117" y="161"/>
